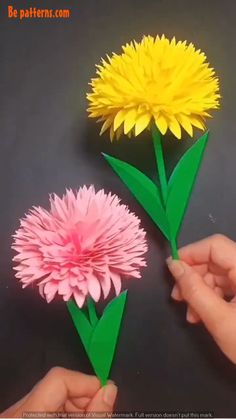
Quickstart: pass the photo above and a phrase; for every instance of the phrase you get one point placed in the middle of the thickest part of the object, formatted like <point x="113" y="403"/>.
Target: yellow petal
<point x="197" y="122"/>
<point x="175" y="128"/>
<point x="112" y="134"/>
<point x="170" y="78"/>
<point x="130" y="134"/>
<point x="119" y="119"/>
<point x="119" y="132"/>
<point x="130" y="120"/>
<point x="186" y="124"/>
<point x="142" y="123"/>
<point x="161" y="124"/>
<point x="106" y="125"/>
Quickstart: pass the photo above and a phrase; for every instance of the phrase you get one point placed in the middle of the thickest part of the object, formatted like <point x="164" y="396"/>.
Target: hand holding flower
<point x="65" y="391"/>
<point x="205" y="276"/>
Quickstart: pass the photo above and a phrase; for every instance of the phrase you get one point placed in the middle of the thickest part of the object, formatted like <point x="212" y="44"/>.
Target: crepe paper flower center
<point x="158" y="80"/>
<point x="83" y="244"/>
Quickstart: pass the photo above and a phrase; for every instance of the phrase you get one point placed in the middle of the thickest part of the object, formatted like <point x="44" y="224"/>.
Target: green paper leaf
<point x="81" y="323"/>
<point x="92" y="312"/>
<point x="144" y="190"/>
<point x="100" y="339"/>
<point x="181" y="184"/>
<point x="104" y="338"/>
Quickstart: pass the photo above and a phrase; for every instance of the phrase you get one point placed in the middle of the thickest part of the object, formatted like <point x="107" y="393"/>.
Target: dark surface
<point x="47" y="144"/>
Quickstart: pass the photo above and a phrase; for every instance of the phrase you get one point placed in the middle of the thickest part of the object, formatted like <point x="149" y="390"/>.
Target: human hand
<point x="205" y="276"/>
<point x="63" y="390"/>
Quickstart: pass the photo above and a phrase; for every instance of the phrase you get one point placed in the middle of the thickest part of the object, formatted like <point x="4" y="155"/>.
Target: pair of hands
<point x="205" y="277"/>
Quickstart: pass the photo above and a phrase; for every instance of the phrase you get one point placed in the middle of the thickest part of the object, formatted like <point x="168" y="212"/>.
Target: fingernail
<point x="191" y="316"/>
<point x="111" y="382"/>
<point x="109" y="394"/>
<point x="176" y="268"/>
<point x="175" y="294"/>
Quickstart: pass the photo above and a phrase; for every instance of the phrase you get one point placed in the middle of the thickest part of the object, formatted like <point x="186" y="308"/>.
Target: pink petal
<point x="50" y="290"/>
<point x="67" y="296"/>
<point x="75" y="279"/>
<point x="34" y="272"/>
<point x="64" y="287"/>
<point x="59" y="207"/>
<point x="47" y="279"/>
<point x="34" y="262"/>
<point x="79" y="298"/>
<point x="25" y="255"/>
<point x="94" y="287"/>
<point x="26" y="284"/>
<point x="83" y="286"/>
<point x="41" y="288"/>
<point x="83" y="243"/>
<point x="116" y="282"/>
<point x="49" y="297"/>
<point x="106" y="284"/>
<point x="75" y="270"/>
<point x="50" y="287"/>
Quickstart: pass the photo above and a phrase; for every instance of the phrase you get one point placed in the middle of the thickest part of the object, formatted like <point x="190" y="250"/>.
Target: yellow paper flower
<point x="157" y="80"/>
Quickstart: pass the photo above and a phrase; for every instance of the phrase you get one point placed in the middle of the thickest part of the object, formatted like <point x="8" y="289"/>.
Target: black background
<point x="47" y="143"/>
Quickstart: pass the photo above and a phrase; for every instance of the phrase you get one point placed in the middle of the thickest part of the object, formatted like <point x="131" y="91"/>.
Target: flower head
<point x="158" y="80"/>
<point x="85" y="242"/>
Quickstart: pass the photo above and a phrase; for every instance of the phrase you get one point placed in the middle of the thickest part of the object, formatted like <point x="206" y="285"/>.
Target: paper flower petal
<point x="94" y="287"/>
<point x="106" y="284"/>
<point x="86" y="240"/>
<point x="116" y="282"/>
<point x="79" y="298"/>
<point x="158" y="80"/>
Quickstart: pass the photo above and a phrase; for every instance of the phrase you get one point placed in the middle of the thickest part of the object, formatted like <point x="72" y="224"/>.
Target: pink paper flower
<point x="83" y="244"/>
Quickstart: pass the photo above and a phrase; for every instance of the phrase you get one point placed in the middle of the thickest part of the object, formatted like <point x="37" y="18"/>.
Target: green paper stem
<point x="174" y="250"/>
<point x="92" y="312"/>
<point x="156" y="135"/>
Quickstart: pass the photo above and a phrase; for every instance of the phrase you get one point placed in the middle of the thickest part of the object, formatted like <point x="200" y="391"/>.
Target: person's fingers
<point x="218" y="251"/>
<point x="81" y="402"/>
<point x="210" y="307"/>
<point x="191" y="316"/>
<point x="209" y="280"/>
<point x="223" y="283"/>
<point x="176" y="294"/>
<point x="70" y="407"/>
<point x="104" y="399"/>
<point x="76" y="404"/>
<point x="219" y="292"/>
<point x="233" y="301"/>
<point x="59" y="385"/>
<point x="196" y="253"/>
<point x="201" y="269"/>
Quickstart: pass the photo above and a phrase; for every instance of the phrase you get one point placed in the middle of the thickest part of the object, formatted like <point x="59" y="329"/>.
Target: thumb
<point x="104" y="399"/>
<point x="207" y="304"/>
